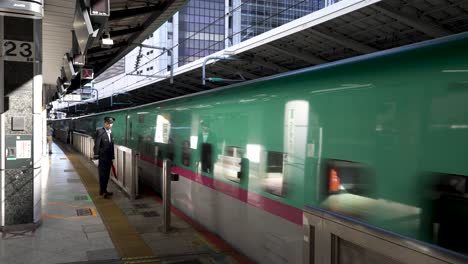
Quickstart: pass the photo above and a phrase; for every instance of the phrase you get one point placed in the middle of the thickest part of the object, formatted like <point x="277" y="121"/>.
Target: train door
<point x="296" y="119"/>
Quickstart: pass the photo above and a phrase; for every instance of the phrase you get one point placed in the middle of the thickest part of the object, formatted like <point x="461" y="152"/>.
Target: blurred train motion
<point x="382" y="138"/>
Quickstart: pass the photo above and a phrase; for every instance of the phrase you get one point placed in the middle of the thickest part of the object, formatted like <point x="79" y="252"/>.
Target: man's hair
<point x="109" y="120"/>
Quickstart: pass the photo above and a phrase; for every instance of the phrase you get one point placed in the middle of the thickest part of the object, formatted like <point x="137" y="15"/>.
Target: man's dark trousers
<point x="104" y="168"/>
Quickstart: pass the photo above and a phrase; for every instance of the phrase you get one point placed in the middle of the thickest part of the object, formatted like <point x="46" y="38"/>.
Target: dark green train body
<point x="381" y="138"/>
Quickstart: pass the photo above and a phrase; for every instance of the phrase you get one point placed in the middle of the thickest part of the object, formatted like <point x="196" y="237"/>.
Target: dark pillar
<point x="21" y="120"/>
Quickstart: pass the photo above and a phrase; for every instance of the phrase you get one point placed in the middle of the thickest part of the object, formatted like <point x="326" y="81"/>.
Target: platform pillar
<point x="21" y="111"/>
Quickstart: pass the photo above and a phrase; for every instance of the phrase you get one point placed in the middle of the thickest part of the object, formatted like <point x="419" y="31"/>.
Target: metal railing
<point x="125" y="163"/>
<point x="331" y="238"/>
<point x="166" y="193"/>
<point x="84" y="144"/>
<point x="126" y="166"/>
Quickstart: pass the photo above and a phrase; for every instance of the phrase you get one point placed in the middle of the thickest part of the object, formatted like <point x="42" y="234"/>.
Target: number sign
<point x="14" y="50"/>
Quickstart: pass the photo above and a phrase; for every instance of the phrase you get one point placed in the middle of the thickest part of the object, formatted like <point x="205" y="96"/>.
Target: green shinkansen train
<point x="382" y="138"/>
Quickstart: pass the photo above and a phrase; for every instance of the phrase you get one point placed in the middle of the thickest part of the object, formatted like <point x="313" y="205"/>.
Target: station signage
<point x="72" y="98"/>
<point x="100" y="7"/>
<point x="87" y="74"/>
<point x="22" y="51"/>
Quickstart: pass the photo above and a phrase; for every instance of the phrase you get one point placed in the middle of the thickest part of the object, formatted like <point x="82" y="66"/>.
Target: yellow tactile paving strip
<point x="126" y="240"/>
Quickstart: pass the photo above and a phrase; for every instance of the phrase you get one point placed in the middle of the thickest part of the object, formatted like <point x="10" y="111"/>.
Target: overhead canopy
<point x="129" y="22"/>
<point x="345" y="29"/>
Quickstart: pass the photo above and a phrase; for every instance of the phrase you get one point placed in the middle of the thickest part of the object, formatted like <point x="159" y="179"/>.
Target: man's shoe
<point x="109" y="193"/>
<point x="105" y="195"/>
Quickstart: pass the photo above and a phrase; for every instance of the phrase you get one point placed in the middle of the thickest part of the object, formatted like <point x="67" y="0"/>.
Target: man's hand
<point x="95" y="157"/>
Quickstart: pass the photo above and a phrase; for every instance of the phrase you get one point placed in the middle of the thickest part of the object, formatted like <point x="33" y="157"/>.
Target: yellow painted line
<point x="79" y="217"/>
<point x="93" y="211"/>
<point x="52" y="216"/>
<point x="127" y="241"/>
<point x="149" y="261"/>
<point x="208" y="243"/>
<point x="139" y="258"/>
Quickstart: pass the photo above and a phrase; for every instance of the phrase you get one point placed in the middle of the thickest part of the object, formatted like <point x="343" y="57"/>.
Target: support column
<point x="20" y="119"/>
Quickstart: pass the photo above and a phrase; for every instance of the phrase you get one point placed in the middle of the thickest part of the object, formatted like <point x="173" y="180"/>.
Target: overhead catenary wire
<point x="135" y="84"/>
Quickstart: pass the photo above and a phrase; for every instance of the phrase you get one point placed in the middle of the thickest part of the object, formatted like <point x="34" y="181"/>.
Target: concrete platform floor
<point x="79" y="226"/>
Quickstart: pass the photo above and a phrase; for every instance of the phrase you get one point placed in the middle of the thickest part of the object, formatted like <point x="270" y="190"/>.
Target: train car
<point x="62" y="129"/>
<point x="382" y="138"/>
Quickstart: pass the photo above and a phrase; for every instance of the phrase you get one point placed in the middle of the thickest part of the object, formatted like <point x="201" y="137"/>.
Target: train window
<point x="347" y="177"/>
<point x="229" y="164"/>
<point x="186" y="153"/>
<point x="448" y="211"/>
<point x="347" y="188"/>
<point x="141" y="118"/>
<point x="274" y="181"/>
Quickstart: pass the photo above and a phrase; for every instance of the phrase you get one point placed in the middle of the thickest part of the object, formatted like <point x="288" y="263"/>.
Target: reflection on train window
<point x="186" y="153"/>
<point x="449" y="213"/>
<point x="163" y="127"/>
<point x="274" y="181"/>
<point x="157" y="152"/>
<point x="347" y="188"/>
<point x="141" y="117"/>
<point x="131" y="129"/>
<point x="170" y="149"/>
<point x="229" y="164"/>
<point x="348" y="177"/>
<point x="141" y="144"/>
<point x="206" y="159"/>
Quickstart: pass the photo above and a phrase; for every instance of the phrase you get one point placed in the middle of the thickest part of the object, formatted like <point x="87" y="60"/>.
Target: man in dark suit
<point x="207" y="145"/>
<point x="104" y="151"/>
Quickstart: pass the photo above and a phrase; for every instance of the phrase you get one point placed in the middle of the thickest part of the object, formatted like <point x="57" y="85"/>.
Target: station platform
<point x="79" y="226"/>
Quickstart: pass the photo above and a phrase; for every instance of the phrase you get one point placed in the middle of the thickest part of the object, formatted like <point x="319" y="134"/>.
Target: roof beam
<point x="125" y="13"/>
<point x="94" y="59"/>
<point x="161" y="91"/>
<point x="155" y="19"/>
<point x="187" y="86"/>
<point x="350" y="43"/>
<point x="264" y="63"/>
<point x="195" y="80"/>
<point x="298" y="54"/>
<point x="240" y="70"/>
<point x="138" y="97"/>
<point x="172" y="88"/>
<point x="97" y="50"/>
<point x="122" y="32"/>
<point x="425" y="27"/>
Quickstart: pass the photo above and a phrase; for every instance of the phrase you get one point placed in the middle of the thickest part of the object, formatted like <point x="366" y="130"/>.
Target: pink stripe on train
<point x="285" y="211"/>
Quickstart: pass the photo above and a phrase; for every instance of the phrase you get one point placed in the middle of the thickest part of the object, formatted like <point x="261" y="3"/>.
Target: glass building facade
<point x="258" y="17"/>
<point x="208" y="26"/>
<point x="201" y="29"/>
